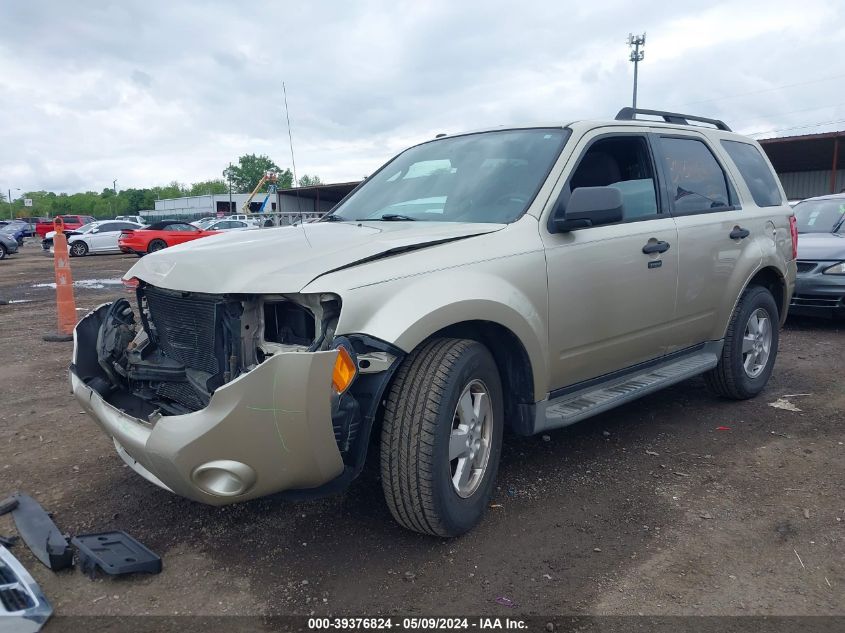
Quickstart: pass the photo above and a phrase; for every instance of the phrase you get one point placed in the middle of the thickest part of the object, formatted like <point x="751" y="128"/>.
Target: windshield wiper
<point x="391" y="217"/>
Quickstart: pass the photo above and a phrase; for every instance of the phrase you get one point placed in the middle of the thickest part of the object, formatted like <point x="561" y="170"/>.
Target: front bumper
<point x="817" y="294"/>
<point x="268" y="430"/>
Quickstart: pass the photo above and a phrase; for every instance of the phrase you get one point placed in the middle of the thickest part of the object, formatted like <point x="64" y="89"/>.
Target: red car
<point x="72" y="222"/>
<point x="159" y="235"/>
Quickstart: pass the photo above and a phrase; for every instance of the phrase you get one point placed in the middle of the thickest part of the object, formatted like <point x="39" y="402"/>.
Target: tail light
<point x="126" y="233"/>
<point x="793" y="230"/>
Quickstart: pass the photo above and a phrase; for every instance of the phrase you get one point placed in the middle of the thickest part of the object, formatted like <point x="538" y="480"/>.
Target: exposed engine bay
<point x="180" y="346"/>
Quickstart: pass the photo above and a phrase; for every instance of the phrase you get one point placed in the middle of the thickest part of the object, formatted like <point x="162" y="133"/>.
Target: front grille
<point x="186" y="327"/>
<point x="816" y="301"/>
<point x="805" y="267"/>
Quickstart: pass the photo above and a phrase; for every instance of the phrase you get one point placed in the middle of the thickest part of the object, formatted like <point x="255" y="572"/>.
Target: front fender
<point x="407" y="311"/>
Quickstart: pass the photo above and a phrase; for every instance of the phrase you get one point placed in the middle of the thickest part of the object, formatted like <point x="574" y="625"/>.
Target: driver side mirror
<point x="589" y="206"/>
<point x="95" y="230"/>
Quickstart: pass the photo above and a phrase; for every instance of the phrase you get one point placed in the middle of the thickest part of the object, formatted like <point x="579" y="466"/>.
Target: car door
<point x="712" y="228"/>
<point x="610" y="302"/>
<point x="101" y="240"/>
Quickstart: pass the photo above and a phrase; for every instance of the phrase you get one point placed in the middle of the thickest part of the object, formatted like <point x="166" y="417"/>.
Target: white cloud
<point x="152" y="91"/>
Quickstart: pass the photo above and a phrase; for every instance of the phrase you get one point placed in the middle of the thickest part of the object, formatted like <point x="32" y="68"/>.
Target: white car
<point x="243" y="218"/>
<point x="131" y="218"/>
<point x="96" y="237"/>
<point x="229" y="225"/>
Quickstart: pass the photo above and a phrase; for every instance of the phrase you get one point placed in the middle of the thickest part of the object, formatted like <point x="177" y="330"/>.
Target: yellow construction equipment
<point x="271" y="177"/>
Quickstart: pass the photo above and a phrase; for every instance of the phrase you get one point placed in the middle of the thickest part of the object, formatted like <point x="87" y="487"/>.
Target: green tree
<point x="249" y="170"/>
<point x="208" y="186"/>
<point x="310" y="181"/>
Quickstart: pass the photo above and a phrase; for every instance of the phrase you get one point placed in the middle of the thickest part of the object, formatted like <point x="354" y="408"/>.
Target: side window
<point x="696" y="181"/>
<point x="755" y="172"/>
<point x="110" y="226"/>
<point x="624" y="163"/>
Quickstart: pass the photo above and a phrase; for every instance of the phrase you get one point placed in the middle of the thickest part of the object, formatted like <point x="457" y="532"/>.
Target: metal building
<point x="809" y="165"/>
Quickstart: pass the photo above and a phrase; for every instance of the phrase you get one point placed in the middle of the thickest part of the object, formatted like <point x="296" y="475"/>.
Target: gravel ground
<point x="648" y="509"/>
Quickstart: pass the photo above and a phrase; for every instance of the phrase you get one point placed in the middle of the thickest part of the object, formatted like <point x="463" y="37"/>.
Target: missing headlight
<point x="288" y="323"/>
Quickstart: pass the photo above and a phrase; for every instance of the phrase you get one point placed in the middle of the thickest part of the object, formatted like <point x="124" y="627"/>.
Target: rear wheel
<point x="156" y="245"/>
<point x="441" y="437"/>
<point x="79" y="249"/>
<point x="751" y="346"/>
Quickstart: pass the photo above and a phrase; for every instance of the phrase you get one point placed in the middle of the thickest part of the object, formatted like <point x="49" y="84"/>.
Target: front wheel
<point x="750" y="349"/>
<point x="3" y="251"/>
<point x="79" y="249"/>
<point x="441" y="437"/>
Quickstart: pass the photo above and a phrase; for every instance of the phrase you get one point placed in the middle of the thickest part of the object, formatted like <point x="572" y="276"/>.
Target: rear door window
<point x="755" y="172"/>
<point x="696" y="181"/>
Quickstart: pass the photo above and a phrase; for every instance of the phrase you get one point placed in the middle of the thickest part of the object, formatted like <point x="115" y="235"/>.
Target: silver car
<point x="521" y="277"/>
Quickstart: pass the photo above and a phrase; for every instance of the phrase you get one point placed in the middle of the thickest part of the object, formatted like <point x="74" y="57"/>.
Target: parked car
<point x="135" y="219"/>
<point x="528" y="277"/>
<point x="820" y="285"/>
<point x="71" y="222"/>
<point x="229" y="225"/>
<point x="159" y="235"/>
<point x="16" y="229"/>
<point x="204" y="222"/>
<point x="243" y="218"/>
<point x="96" y="237"/>
<point x="8" y="245"/>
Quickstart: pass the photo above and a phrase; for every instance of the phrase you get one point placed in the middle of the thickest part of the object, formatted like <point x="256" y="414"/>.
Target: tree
<point x="207" y="187"/>
<point x="310" y="181"/>
<point x="249" y="170"/>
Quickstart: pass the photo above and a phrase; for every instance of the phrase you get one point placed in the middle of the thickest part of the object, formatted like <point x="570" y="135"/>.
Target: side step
<point x="576" y="406"/>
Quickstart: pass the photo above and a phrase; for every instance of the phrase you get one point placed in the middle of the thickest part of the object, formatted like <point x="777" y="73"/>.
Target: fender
<point x="412" y="309"/>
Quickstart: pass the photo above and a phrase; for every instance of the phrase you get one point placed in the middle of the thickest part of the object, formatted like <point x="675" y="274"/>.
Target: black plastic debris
<point x="7" y="505"/>
<point x="114" y="553"/>
<point x="40" y="533"/>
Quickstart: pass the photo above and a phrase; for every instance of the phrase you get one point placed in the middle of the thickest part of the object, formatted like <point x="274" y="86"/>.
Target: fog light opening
<point x="224" y="478"/>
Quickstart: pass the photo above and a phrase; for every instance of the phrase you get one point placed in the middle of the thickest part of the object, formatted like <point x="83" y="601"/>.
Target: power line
<point x="798" y="127"/>
<point x="757" y="92"/>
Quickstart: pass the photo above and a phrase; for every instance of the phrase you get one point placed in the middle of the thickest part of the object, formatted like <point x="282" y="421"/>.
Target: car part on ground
<point x="115" y="553"/>
<point x="40" y="534"/>
<point x="8" y="504"/>
<point x="23" y="607"/>
<point x="582" y="265"/>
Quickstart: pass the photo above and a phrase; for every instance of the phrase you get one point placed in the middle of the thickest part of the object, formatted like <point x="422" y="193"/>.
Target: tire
<point x="156" y="245"/>
<point x="731" y="378"/>
<point x="3" y="251"/>
<point x="420" y="413"/>
<point x="78" y="249"/>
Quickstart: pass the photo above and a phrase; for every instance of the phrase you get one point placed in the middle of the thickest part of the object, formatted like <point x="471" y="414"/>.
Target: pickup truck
<point x="72" y="222"/>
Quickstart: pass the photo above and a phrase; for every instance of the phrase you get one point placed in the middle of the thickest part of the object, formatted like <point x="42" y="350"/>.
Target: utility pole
<point x="229" y="178"/>
<point x="635" y="42"/>
<point x="11" y="209"/>
<point x="114" y="185"/>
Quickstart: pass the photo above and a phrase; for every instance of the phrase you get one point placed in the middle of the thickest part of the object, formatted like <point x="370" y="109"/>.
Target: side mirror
<point x="589" y="206"/>
<point x="95" y="230"/>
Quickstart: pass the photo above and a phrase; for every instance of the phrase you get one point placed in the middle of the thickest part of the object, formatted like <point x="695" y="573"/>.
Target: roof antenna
<point x="293" y="160"/>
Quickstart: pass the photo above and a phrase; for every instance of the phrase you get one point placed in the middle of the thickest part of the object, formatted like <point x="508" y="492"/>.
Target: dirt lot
<point x="647" y="509"/>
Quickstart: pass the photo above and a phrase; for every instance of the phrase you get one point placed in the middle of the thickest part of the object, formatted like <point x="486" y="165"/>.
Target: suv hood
<point x="821" y="246"/>
<point x="286" y="259"/>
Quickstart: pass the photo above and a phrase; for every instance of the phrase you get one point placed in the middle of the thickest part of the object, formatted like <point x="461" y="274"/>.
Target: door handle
<point x="656" y="247"/>
<point x="739" y="233"/>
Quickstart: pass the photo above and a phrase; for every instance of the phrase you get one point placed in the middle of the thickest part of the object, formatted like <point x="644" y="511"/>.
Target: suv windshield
<point x="820" y="216"/>
<point x="486" y="177"/>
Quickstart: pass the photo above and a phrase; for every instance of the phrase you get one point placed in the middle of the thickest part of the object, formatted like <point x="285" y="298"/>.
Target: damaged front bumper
<point x="267" y="430"/>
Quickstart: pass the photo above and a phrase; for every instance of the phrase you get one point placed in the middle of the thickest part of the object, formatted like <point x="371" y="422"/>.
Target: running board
<point x="595" y="399"/>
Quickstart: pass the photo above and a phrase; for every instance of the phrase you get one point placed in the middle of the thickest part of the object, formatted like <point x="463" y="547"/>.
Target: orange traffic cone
<point x="65" y="303"/>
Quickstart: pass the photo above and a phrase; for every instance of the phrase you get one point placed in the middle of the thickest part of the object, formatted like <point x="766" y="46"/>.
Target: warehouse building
<point x="809" y="165"/>
<point x="310" y="201"/>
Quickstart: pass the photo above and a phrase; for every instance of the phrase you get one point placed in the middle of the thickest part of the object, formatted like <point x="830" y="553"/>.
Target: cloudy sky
<point x="153" y="91"/>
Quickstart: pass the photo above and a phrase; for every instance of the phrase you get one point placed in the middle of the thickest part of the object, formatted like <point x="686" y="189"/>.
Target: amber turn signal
<point x="344" y="370"/>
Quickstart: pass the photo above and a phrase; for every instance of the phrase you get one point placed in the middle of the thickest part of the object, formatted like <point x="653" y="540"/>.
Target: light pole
<point x="11" y="211"/>
<point x="635" y="42"/>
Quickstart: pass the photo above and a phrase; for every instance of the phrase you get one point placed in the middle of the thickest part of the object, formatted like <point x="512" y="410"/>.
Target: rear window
<point x="755" y="172"/>
<point x="697" y="183"/>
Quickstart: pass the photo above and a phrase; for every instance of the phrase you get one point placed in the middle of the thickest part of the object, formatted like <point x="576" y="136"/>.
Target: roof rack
<point x="630" y="114"/>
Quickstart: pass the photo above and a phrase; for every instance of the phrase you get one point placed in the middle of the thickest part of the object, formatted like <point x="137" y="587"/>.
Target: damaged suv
<point x="520" y="278"/>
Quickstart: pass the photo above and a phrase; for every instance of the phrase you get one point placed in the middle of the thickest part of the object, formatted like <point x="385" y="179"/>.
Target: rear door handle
<point x="739" y="233"/>
<point x="655" y="247"/>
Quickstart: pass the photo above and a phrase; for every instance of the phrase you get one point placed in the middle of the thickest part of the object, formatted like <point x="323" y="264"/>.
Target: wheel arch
<point x="772" y="279"/>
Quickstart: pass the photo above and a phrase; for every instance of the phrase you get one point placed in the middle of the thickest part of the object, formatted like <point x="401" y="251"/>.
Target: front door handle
<point x="739" y="233"/>
<point x="655" y="247"/>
